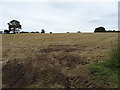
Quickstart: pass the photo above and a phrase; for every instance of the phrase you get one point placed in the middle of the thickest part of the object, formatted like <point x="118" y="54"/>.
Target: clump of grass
<point x="113" y="61"/>
<point x="106" y="73"/>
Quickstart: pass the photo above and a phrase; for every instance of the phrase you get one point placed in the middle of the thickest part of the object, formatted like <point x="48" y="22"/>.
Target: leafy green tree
<point x="14" y="26"/>
<point x="78" y="32"/>
<point x="100" y="29"/>
<point x="42" y="31"/>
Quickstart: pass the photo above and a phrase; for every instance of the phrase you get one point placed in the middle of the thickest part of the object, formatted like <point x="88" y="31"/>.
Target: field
<point x="53" y="60"/>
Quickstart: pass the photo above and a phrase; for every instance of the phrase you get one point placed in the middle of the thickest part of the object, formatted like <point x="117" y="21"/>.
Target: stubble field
<point x="53" y="60"/>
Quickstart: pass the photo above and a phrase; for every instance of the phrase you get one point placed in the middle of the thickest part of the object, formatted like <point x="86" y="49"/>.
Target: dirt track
<point x="53" y="60"/>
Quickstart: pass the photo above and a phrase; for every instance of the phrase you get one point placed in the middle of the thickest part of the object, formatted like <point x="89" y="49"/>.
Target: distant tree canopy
<point x="6" y="31"/>
<point x="24" y="32"/>
<point x="78" y="32"/>
<point x="42" y="31"/>
<point x="1" y="32"/>
<point x="100" y="29"/>
<point x="37" y="32"/>
<point x="14" y="26"/>
<point x="32" y="32"/>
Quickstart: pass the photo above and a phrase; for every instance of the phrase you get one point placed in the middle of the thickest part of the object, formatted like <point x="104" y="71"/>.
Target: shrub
<point x="6" y="32"/>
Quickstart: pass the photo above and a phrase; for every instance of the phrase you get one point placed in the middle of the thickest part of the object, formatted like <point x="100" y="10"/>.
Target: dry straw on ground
<point x="53" y="60"/>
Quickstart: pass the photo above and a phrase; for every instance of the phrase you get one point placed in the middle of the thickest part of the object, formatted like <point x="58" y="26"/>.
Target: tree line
<point x="102" y="29"/>
<point x="14" y="26"/>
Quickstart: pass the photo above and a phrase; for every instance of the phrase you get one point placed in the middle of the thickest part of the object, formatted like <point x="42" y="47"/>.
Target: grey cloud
<point x="56" y="16"/>
<point x="113" y="15"/>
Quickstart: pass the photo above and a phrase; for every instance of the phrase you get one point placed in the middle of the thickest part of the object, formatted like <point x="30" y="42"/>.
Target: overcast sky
<point x="60" y="16"/>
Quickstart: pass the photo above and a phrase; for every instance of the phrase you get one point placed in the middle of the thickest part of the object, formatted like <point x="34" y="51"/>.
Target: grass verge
<point x="106" y="74"/>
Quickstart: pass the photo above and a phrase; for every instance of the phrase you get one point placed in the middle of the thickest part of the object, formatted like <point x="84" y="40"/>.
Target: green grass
<point x="105" y="74"/>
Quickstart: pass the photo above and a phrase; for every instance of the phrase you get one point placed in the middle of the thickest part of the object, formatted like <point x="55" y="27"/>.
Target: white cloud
<point x="95" y="19"/>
